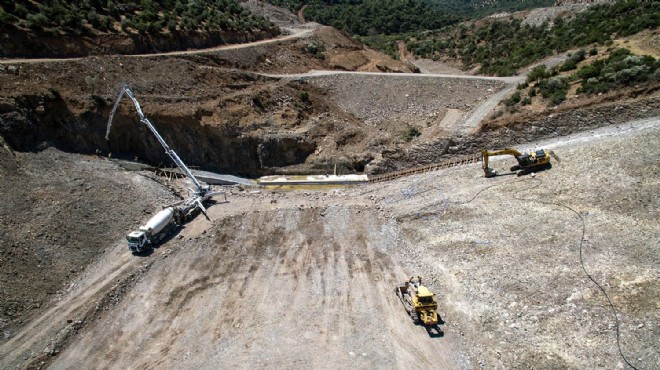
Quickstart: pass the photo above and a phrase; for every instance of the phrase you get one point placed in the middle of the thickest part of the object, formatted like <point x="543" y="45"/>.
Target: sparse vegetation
<point x="385" y="43"/>
<point x="304" y="97"/>
<point x="501" y="47"/>
<point x="496" y="114"/>
<point x="513" y="100"/>
<point x="621" y="68"/>
<point x="410" y="133"/>
<point x="316" y="49"/>
<point x="258" y="102"/>
<point x="145" y="16"/>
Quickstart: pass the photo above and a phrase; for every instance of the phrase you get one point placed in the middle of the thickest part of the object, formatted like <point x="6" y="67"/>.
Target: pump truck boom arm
<point x="164" y="222"/>
<point x="200" y="189"/>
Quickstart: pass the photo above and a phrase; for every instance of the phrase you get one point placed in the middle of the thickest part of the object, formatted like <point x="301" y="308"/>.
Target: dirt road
<point x="292" y="34"/>
<point x="312" y="74"/>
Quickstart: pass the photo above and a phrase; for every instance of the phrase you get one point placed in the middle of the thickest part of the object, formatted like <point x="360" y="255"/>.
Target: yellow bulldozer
<point x="418" y="301"/>
<point x="536" y="160"/>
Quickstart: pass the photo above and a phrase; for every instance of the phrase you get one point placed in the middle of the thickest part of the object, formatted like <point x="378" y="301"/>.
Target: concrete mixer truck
<point x="167" y="220"/>
<point x="155" y="230"/>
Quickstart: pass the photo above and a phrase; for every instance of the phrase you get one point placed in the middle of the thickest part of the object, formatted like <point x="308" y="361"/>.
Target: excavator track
<point x="428" y="168"/>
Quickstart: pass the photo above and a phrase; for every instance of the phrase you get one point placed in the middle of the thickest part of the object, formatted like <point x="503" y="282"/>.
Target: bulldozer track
<point x="428" y="168"/>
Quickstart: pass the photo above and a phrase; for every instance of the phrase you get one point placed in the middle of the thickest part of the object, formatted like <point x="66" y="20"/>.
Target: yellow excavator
<point x="536" y="160"/>
<point x="418" y="301"/>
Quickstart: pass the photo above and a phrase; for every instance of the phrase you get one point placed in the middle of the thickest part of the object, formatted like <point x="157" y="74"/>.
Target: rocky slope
<point x="58" y="213"/>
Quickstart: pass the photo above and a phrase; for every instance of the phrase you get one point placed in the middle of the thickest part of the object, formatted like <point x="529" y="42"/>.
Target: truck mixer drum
<point x="165" y="221"/>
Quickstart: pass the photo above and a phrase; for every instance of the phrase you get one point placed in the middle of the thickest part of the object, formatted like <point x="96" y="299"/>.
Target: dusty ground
<point x="284" y="279"/>
<point x="54" y="218"/>
<point x="275" y="277"/>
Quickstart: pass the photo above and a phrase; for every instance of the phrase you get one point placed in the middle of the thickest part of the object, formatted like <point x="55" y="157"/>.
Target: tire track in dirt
<point x="288" y="281"/>
<point x="75" y="306"/>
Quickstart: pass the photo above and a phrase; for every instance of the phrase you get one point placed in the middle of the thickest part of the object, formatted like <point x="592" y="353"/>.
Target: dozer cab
<point x="537" y="160"/>
<point x="418" y="301"/>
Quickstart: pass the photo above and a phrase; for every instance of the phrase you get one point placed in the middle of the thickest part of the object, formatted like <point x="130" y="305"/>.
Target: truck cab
<point x="138" y="242"/>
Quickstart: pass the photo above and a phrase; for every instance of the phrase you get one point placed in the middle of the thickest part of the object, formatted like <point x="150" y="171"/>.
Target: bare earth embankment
<point x="294" y="278"/>
<point x="305" y="278"/>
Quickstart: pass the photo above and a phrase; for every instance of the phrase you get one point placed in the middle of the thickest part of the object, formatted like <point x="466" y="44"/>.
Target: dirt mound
<point x="325" y="49"/>
<point x="342" y="52"/>
<point x="59" y="212"/>
<point x="264" y="125"/>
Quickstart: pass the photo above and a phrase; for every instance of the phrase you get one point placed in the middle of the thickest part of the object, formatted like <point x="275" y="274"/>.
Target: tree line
<point x="144" y="16"/>
<point x="388" y="17"/>
<point x="501" y="47"/>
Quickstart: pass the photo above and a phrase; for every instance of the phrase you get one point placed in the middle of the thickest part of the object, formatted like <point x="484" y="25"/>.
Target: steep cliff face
<point x="32" y="123"/>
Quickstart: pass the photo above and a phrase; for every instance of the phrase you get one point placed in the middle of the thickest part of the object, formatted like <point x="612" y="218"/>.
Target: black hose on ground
<point x="584" y="269"/>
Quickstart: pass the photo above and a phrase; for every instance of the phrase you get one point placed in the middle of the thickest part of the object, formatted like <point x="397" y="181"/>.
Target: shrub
<point x="126" y="24"/>
<point x="304" y="97"/>
<point x="171" y="25"/>
<point x="410" y="133"/>
<point x="526" y="101"/>
<point x="496" y="114"/>
<point x="557" y="97"/>
<point x="552" y="86"/>
<point x="590" y="70"/>
<point x="573" y="60"/>
<point x="36" y="21"/>
<point x="256" y="100"/>
<point x="568" y="65"/>
<point x="7" y="18"/>
<point x="315" y="49"/>
<point x="537" y="73"/>
<point x="91" y="83"/>
<point x="513" y="100"/>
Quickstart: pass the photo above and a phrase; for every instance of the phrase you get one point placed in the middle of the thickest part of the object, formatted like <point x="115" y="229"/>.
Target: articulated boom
<point x="200" y="189"/>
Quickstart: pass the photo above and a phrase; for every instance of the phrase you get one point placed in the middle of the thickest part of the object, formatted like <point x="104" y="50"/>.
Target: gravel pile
<point x="382" y="100"/>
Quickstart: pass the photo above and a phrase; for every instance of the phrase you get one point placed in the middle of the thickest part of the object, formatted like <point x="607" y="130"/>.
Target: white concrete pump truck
<point x="154" y="231"/>
<point x="166" y="221"/>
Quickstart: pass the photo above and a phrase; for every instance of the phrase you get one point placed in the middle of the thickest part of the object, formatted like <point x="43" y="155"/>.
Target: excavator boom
<point x="528" y="161"/>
